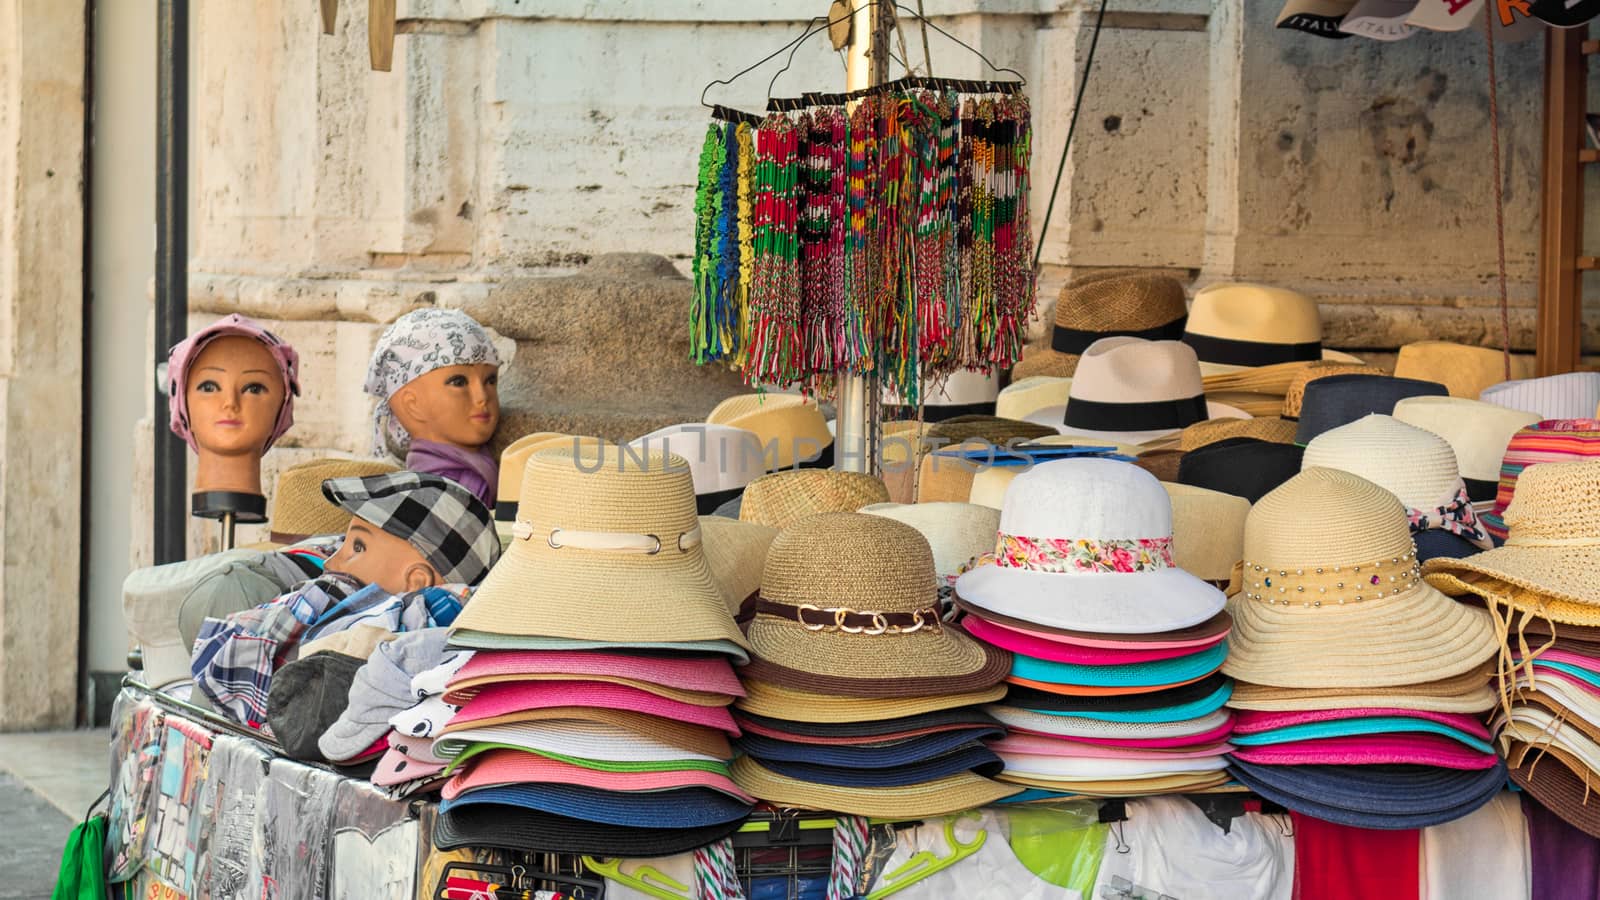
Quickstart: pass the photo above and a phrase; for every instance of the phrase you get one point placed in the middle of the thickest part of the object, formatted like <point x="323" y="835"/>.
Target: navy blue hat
<point x="1189" y="701"/>
<point x="1374" y="796"/>
<point x="1447" y="544"/>
<point x="693" y="807"/>
<point x="974" y="757"/>
<point x="1243" y="467"/>
<point x="1341" y="399"/>
<point x="864" y="756"/>
<point x="532" y="831"/>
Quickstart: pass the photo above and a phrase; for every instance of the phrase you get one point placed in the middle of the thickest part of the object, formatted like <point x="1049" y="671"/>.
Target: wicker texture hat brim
<point x="939" y="797"/>
<point x="1553" y="778"/>
<point x="532" y="831"/>
<point x="1469" y="692"/>
<point x="706" y="742"/>
<point x="767" y="699"/>
<point x="776" y="642"/>
<point x="298" y="507"/>
<point x="1040" y="360"/>
<point x="870" y="731"/>
<point x="1131" y="787"/>
<point x="780" y="499"/>
<point x="1554" y="582"/>
<point x="1270" y="428"/>
<point x="1418" y="636"/>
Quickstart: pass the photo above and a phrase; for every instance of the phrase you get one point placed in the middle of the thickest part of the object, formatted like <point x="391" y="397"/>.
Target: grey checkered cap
<point x="443" y="520"/>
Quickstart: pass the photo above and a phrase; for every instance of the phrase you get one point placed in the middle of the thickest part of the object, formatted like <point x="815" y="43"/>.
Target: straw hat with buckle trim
<point x="606" y="547"/>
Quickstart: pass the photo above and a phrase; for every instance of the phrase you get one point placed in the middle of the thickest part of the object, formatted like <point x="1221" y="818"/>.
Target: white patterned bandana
<point x="416" y="344"/>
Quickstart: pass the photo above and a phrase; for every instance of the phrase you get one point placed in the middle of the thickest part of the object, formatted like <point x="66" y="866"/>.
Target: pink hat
<point x="1038" y="745"/>
<point x="406" y="760"/>
<point x="1052" y="648"/>
<point x="1587" y="663"/>
<point x="1251" y="722"/>
<point x="516" y="696"/>
<point x="1108" y="641"/>
<point x="707" y="674"/>
<point x="501" y="767"/>
<point x="1360" y="750"/>
<point x="183" y="355"/>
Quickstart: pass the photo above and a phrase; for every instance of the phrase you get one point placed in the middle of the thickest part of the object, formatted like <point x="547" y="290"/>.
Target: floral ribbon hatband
<point x="1076" y="555"/>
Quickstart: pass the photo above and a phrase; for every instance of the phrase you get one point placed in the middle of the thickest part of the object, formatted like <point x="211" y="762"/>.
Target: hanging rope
<point x="1499" y="198"/>
<point x="849" y="855"/>
<point x="1072" y="126"/>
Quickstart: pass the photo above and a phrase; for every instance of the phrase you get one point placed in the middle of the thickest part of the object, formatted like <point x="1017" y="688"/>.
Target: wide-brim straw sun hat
<point x="1341" y="399"/>
<point x="796" y="705"/>
<point x="605" y="549"/>
<point x="1026" y="396"/>
<point x="1106" y="304"/>
<point x="1344" y="604"/>
<point x="299" y="510"/>
<point x="1547" y="441"/>
<point x="849" y="605"/>
<point x="1469" y="692"/>
<point x="1203" y="434"/>
<point x="1253" y="325"/>
<point x="1134" y="391"/>
<point x="1573" y="395"/>
<point x="1478" y="432"/>
<point x="1378" y="796"/>
<point x="1086" y="544"/>
<point x="1294" y="397"/>
<point x="722" y="459"/>
<point x="939" y="797"/>
<point x="957" y="533"/>
<point x="736" y="552"/>
<point x="781" y="499"/>
<point x="1548" y="564"/>
<point x="790" y="427"/>
<point x="1464" y="370"/>
<point x="514" y="464"/>
<point x="707" y="742"/>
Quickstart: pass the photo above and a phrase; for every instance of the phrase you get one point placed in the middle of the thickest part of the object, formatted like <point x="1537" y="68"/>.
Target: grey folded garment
<point x="381" y="689"/>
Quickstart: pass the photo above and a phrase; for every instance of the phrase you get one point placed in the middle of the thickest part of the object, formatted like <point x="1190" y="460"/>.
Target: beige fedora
<point x="1121" y="302"/>
<point x="1244" y="326"/>
<point x="1131" y="391"/>
<point x="1465" y="371"/>
<point x="1207" y="530"/>
<point x="780" y="499"/>
<point x="736" y="552"/>
<point x="1021" y="398"/>
<point x="299" y="510"/>
<point x="790" y="427"/>
<point x="605" y="549"/>
<point x="956" y="532"/>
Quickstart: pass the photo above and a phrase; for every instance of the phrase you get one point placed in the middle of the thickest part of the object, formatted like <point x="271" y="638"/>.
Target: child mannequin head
<point x="435" y="373"/>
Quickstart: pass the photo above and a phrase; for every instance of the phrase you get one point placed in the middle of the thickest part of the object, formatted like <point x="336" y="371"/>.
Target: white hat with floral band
<point x="1086" y="545"/>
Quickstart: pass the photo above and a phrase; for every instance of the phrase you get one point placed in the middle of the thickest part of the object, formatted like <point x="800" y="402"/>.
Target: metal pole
<point x="172" y="265"/>
<point x="867" y="65"/>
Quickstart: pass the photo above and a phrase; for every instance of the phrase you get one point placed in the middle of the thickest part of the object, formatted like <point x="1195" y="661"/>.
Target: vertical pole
<point x="866" y="66"/>
<point x="1558" y="333"/>
<point x="172" y="264"/>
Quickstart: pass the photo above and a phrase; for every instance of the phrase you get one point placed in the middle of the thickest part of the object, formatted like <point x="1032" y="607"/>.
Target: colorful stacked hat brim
<point x="1063" y="651"/>
<point x="692" y="807"/>
<point x="1391" y="797"/>
<point x="1200" y="729"/>
<point x="866" y="755"/>
<point x="764" y="698"/>
<point x="1550" y="776"/>
<point x="938" y="797"/>
<point x="474" y="639"/>
<point x="507" y="697"/>
<point x="533" y="831"/>
<point x="473" y="750"/>
<point x="1063" y="768"/>
<point x="1152" y="676"/>
<point x="1411" y="748"/>
<point x="860" y="732"/>
<point x="704" y="681"/>
<point x="1179" y="708"/>
<point x="939" y="659"/>
<point x="1038" y="745"/>
<point x="972" y="758"/>
<point x="692" y="738"/>
<point x="1468" y="692"/>
<point x="1194" y="637"/>
<point x="587" y="740"/>
<point x="1104" y="602"/>
<point x="509" y="768"/>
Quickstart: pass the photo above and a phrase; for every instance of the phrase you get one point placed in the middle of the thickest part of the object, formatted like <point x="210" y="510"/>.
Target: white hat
<point x="720" y="457"/>
<point x="1445" y="15"/>
<point x="1477" y="431"/>
<point x="1415" y="465"/>
<point x="1130" y="390"/>
<point x="1574" y="395"/>
<point x="1022" y="398"/>
<point x="990" y="482"/>
<point x="1086" y="545"/>
<point x="1240" y="326"/>
<point x="151" y="600"/>
<point x="1380" y="20"/>
<point x="957" y="532"/>
<point x="960" y="388"/>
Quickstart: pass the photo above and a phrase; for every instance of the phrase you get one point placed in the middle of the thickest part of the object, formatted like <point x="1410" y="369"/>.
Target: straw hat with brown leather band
<point x="942" y="796"/>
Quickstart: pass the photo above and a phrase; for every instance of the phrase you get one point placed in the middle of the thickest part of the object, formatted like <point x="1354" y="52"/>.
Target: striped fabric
<point x="1574" y="395"/>
<point x="1553" y="440"/>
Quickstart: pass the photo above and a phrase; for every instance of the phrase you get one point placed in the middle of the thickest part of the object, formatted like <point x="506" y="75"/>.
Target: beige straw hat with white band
<point x="1086" y="545"/>
<point x="1469" y="692"/>
<point x="1026" y="396"/>
<point x="604" y="549"/>
<point x="780" y="499"/>
<point x="514" y="464"/>
<point x="1333" y="597"/>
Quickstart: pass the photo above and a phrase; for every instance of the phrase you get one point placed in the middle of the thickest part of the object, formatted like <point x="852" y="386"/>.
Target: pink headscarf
<point x="183" y="356"/>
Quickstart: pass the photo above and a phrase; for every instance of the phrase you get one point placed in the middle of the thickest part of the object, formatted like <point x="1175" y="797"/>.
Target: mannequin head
<point x="457" y="405"/>
<point x="233" y="394"/>
<point x="373" y="556"/>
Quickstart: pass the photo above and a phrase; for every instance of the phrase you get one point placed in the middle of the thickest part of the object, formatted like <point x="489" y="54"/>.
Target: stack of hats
<point x="1478" y="432"/>
<point x="1416" y="466"/>
<point x="859" y="698"/>
<point x="594" y="715"/>
<point x="1574" y="395"/>
<point x="1543" y="585"/>
<point x="1116" y="302"/>
<point x="1114" y="683"/>
<point x="1552" y="440"/>
<point x="1356" y="678"/>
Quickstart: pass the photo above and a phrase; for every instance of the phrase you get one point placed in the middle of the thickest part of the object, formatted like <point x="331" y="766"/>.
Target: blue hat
<point x="1358" y="725"/>
<point x="863" y="756"/>
<point x="1341" y="399"/>
<point x="1374" y="796"/>
<point x="1176" y="670"/>
<point x="973" y="757"/>
<point x="1434" y="542"/>
<point x="694" y="807"/>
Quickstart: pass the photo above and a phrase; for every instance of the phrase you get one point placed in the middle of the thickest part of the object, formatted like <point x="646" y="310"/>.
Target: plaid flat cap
<point x="443" y="520"/>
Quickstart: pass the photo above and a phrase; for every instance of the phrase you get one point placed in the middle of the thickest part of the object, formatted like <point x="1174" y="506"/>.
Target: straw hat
<point x="992" y="429"/>
<point x="1333" y="598"/>
<point x="1253" y="325"/>
<point x="1123" y="302"/>
<point x="956" y="532"/>
<point x="298" y="508"/>
<point x="830" y="583"/>
<point x="1415" y="465"/>
<point x="1271" y="429"/>
<point x="1207" y="530"/>
<point x="735" y="552"/>
<point x="764" y="698"/>
<point x="790" y="425"/>
<point x="1548" y="564"/>
<point x="1478" y="432"/>
<point x="1468" y="692"/>
<point x="722" y="459"/>
<point x="950" y="794"/>
<point x="1552" y="440"/>
<point x="1341" y="399"/>
<point x="948" y="479"/>
<point x="780" y="499"/>
<point x="1025" y="396"/>
<point x="1464" y="370"/>
<point x="606" y="549"/>
<point x="1574" y="395"/>
<point x="1131" y="391"/>
<point x="514" y="461"/>
<point x="899" y="444"/>
<point x="1294" y="396"/>
<point x="1086" y="545"/>
<point x="1557" y="785"/>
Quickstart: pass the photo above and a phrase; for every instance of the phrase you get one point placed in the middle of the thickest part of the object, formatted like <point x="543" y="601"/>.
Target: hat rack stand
<point x="229" y="509"/>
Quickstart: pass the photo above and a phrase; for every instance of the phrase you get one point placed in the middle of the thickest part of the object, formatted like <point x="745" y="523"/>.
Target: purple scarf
<point x="472" y="469"/>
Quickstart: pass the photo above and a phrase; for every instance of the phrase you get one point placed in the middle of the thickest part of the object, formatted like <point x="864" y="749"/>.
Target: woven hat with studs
<point x="1128" y="303"/>
<point x="1131" y="390"/>
<point x="606" y="548"/>
<point x="849" y="606"/>
<point x="1252" y="325"/>
<point x="1342" y="604"/>
<point x="1465" y="371"/>
<point x="298" y="508"/>
<point x="790" y="425"/>
<point x="1478" y="432"/>
<point x="1086" y="545"/>
<point x="780" y="499"/>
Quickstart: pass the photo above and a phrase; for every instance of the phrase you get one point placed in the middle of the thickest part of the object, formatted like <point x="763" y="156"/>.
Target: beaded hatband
<point x="1332" y="584"/>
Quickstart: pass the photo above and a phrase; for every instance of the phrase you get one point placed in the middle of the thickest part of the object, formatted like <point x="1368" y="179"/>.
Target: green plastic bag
<point x="83" y="867"/>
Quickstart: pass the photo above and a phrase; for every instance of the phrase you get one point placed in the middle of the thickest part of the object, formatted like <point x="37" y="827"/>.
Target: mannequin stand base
<point x="230" y="508"/>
